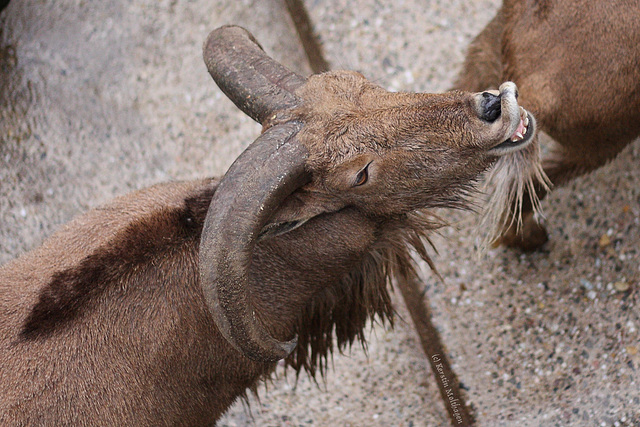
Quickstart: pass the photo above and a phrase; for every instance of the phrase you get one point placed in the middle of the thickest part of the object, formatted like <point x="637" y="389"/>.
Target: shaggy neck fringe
<point x="342" y="311"/>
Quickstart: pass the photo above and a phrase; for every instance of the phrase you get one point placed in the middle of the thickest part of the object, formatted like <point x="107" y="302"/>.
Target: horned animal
<point x="577" y="66"/>
<point x="167" y="304"/>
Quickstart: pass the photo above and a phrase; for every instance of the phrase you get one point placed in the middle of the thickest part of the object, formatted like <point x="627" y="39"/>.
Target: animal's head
<point x="390" y="153"/>
<point x="333" y="141"/>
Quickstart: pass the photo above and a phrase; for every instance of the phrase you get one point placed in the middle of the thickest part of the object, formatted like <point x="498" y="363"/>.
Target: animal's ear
<point x="301" y="206"/>
<point x="310" y="201"/>
<point x="357" y="172"/>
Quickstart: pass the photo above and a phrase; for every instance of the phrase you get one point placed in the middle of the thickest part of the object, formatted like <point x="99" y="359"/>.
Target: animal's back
<point x="84" y="342"/>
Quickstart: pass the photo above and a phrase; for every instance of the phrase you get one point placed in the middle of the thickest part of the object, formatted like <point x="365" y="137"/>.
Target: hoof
<point x="531" y="236"/>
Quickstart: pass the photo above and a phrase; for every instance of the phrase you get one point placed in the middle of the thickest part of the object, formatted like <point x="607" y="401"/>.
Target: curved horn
<point x="255" y="185"/>
<point x="256" y="83"/>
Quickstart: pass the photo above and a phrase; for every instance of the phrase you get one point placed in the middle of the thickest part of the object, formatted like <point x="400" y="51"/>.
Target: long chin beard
<point x="504" y="189"/>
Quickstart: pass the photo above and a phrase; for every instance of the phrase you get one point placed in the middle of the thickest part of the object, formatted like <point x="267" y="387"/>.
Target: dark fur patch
<point x="542" y="9"/>
<point x="72" y="291"/>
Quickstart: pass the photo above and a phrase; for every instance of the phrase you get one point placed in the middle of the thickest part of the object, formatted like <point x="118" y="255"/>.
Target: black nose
<point x="490" y="107"/>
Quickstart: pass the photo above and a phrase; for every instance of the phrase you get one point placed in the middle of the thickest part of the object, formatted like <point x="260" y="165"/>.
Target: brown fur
<point x="106" y="323"/>
<point x="124" y="332"/>
<point x="577" y="66"/>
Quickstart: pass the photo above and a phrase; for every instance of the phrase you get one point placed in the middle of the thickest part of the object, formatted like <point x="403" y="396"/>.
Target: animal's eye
<point x="362" y="177"/>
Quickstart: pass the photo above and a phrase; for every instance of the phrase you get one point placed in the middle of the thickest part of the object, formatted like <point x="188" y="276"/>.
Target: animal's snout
<point x="492" y="102"/>
<point x="490" y="106"/>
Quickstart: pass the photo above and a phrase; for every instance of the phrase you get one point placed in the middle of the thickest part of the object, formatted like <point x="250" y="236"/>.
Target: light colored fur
<point x="504" y="189"/>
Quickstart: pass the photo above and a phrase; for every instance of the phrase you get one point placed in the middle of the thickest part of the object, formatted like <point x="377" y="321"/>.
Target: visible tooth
<point x="524" y="132"/>
<point x="519" y="135"/>
<point x="526" y="120"/>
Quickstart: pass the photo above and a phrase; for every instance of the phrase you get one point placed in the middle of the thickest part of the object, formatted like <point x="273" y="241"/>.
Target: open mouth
<point x="521" y="136"/>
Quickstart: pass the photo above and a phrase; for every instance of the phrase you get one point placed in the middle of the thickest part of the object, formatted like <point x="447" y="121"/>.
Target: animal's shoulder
<point x="102" y="247"/>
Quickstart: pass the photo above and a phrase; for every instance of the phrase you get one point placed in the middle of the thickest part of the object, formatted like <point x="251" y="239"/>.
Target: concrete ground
<point x="99" y="98"/>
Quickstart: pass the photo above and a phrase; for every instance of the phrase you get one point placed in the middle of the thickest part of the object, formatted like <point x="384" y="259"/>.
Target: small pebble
<point x="586" y="284"/>
<point x="632" y="350"/>
<point x="605" y="241"/>
<point x="621" y="286"/>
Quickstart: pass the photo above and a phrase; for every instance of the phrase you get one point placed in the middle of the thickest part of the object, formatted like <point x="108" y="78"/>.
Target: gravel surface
<point x="98" y="98"/>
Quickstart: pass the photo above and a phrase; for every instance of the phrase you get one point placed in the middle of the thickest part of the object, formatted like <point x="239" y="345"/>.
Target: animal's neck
<point x="330" y="288"/>
<point x="289" y="270"/>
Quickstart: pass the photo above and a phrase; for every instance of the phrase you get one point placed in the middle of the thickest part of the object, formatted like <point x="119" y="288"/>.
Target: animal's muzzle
<point x="490" y="107"/>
